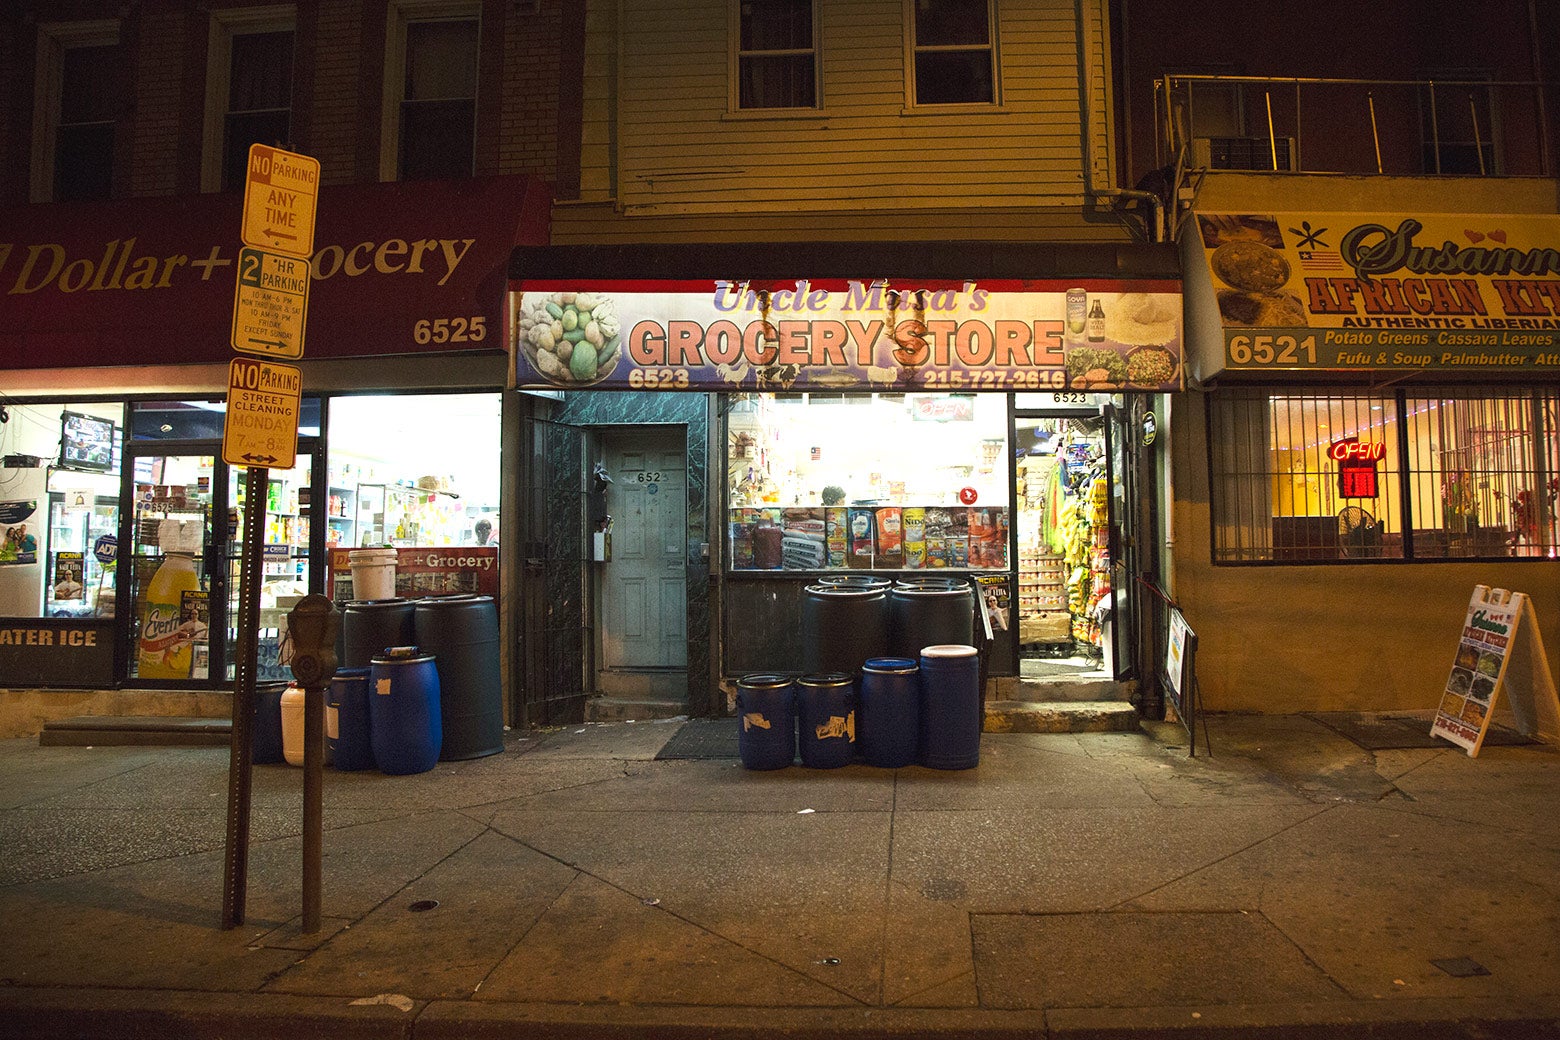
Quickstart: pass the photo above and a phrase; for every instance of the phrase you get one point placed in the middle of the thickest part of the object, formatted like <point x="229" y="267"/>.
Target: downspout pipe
<point x="1093" y="186"/>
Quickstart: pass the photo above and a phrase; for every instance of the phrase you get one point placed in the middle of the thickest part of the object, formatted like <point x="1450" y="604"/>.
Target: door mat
<point x="702" y="738"/>
<point x="1376" y="732"/>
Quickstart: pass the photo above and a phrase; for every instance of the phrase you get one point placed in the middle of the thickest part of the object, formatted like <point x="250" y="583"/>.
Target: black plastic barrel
<point x="826" y="719"/>
<point x="929" y="611"/>
<point x="766" y="721"/>
<point x="842" y="626"/>
<point x="951" y="709"/>
<point x="267" y="741"/>
<point x="462" y="634"/>
<point x="370" y="625"/>
<point x="889" y="724"/>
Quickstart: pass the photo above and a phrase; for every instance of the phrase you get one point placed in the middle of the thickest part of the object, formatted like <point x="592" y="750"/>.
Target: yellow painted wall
<point x="1357" y="637"/>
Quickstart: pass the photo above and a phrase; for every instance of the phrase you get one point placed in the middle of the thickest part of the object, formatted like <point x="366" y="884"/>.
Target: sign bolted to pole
<point x="270" y="303"/>
<point x="281" y="192"/>
<point x="261" y="429"/>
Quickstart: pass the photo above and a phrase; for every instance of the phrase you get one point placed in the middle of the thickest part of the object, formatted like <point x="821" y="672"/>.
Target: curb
<point x="57" y="1013"/>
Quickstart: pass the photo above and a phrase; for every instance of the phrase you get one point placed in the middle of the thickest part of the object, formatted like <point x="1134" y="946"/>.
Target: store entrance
<point x="1070" y="487"/>
<point x="185" y="554"/>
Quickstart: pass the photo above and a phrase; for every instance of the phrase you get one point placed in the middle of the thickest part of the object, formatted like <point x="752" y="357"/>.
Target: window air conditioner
<point x="1242" y="153"/>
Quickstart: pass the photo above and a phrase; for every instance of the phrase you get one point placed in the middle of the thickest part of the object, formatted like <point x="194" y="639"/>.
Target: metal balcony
<point x="1400" y="128"/>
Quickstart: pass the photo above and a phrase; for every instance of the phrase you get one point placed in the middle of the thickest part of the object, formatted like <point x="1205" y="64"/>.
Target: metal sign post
<point x="260" y="430"/>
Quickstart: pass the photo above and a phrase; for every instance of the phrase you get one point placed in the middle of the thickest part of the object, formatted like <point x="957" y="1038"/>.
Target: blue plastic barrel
<point x="346" y="720"/>
<point x="826" y="718"/>
<point x="950" y="707"/>
<point x="462" y="634"/>
<point x="766" y="721"/>
<point x="370" y="625"/>
<point x="890" y="721"/>
<point x="267" y="742"/>
<point x="403" y="711"/>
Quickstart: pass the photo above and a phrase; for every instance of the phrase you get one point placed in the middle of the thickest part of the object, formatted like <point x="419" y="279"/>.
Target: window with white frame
<point x="777" y="54"/>
<point x="430" y="121"/>
<point x="249" y="96"/>
<point x="76" y="98"/>
<point x="953" y="52"/>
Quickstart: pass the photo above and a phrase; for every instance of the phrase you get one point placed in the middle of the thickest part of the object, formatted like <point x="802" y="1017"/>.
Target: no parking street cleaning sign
<point x="262" y="414"/>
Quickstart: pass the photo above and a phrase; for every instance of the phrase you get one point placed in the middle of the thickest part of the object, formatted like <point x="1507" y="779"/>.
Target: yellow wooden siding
<point x="601" y="224"/>
<point x="679" y="149"/>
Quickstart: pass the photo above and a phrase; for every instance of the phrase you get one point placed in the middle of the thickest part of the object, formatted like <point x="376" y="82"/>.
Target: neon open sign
<point x="1357" y="466"/>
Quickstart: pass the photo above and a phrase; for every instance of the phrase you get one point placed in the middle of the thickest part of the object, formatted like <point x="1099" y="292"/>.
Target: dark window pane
<point x="953" y="77"/>
<point x="944" y="23"/>
<point x="261" y="71"/>
<point x="772" y="25"/>
<point x="244" y="129"/>
<point x="441" y="60"/>
<point x="778" y="82"/>
<point x="87" y="87"/>
<point x="437" y="139"/>
<point x="83" y="161"/>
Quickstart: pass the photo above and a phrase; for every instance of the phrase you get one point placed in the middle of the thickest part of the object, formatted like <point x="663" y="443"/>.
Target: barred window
<point x="1412" y="474"/>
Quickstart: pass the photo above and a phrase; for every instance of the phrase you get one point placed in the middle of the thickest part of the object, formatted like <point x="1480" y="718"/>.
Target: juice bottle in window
<point x="165" y="648"/>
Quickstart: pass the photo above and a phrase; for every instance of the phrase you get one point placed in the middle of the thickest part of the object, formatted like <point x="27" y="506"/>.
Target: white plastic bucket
<point x="373" y="573"/>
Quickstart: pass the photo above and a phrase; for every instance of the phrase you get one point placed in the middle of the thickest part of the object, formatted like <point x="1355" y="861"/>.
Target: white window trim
<point x="734" y="72"/>
<point x="219" y="66"/>
<point x="402" y="13"/>
<point x="994" y="47"/>
<point x="54" y="38"/>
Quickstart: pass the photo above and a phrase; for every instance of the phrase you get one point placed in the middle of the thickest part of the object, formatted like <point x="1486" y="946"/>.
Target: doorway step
<point x="1061" y="704"/>
<point x="135" y="731"/>
<point x="610" y="708"/>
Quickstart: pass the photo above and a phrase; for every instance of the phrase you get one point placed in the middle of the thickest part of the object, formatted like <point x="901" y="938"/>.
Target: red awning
<point x="399" y="268"/>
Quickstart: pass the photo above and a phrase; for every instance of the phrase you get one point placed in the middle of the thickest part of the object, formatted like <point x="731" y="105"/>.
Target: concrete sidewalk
<point x="1294" y="884"/>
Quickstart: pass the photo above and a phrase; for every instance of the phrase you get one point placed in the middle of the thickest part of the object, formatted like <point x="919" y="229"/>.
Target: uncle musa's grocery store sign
<point x="847" y="334"/>
<point x="1403" y="291"/>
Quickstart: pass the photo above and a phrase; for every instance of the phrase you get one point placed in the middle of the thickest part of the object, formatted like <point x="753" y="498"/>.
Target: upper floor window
<point x="1457" y="125"/>
<point x="952" y="43"/>
<point x="78" y="89"/>
<point x="249" y="69"/>
<point x="777" y="54"/>
<point x="432" y="92"/>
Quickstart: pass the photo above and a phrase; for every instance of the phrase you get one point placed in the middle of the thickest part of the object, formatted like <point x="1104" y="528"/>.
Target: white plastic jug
<point x="292" y="724"/>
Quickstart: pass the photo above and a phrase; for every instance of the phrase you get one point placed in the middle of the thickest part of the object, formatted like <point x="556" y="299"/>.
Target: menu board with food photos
<point x="1497" y="653"/>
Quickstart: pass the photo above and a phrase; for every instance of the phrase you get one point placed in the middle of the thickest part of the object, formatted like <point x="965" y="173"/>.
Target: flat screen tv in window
<point x="86" y="442"/>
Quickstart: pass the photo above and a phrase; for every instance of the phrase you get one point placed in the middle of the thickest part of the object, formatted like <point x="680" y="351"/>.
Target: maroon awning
<point x="399" y="268"/>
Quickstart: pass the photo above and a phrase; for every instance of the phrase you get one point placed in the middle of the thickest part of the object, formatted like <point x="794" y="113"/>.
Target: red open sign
<point x="1352" y="449"/>
<point x="1357" y="466"/>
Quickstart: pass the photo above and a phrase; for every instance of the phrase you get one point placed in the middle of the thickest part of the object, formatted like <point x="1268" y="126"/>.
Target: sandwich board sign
<point x="1501" y="650"/>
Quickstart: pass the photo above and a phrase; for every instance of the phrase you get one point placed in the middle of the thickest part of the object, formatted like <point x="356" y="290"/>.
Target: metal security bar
<point x="1359" y="476"/>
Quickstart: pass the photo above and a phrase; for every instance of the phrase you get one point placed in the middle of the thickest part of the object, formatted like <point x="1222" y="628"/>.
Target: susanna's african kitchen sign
<point x="843" y="334"/>
<point x="1449" y="292"/>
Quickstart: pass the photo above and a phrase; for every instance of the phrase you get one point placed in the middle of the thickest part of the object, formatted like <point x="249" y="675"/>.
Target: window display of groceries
<point x="810" y="538"/>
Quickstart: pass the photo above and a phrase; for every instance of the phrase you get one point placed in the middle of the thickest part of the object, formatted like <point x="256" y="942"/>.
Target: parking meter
<point x="312" y="626"/>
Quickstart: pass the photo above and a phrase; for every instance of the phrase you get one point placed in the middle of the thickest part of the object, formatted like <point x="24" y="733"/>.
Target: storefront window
<point x="1408" y="475"/>
<point x="880" y="481"/>
<point x="59" y="509"/>
<point x="420" y="474"/>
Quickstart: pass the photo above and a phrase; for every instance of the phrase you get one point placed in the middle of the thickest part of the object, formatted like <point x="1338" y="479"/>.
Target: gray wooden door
<point x="644" y="586"/>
